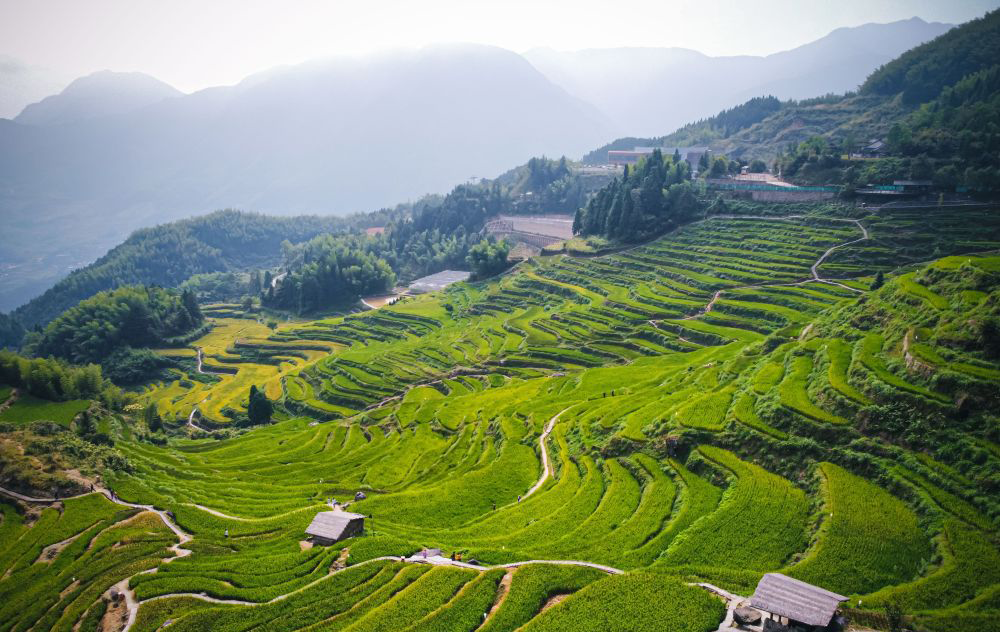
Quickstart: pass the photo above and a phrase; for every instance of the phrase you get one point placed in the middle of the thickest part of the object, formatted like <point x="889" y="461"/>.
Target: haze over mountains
<point x="652" y="91"/>
<point x="118" y="151"/>
<point x="22" y="84"/>
<point x="100" y="94"/>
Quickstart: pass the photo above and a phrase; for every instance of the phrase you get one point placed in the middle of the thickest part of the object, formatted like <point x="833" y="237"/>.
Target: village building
<point x="329" y="527"/>
<point x="630" y="157"/>
<point x="793" y="602"/>
<point x="899" y="189"/>
<point x="875" y="149"/>
<point x="437" y="281"/>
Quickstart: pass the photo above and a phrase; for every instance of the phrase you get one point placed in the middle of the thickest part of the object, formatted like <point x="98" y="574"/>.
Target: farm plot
<point x="868" y="538"/>
<point x="435" y="407"/>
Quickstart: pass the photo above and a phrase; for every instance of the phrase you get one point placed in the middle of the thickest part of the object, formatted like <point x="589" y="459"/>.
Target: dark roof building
<point x="796" y="600"/>
<point x="333" y="526"/>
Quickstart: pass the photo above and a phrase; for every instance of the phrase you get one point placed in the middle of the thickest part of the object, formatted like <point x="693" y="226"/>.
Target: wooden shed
<point x="333" y="526"/>
<point x="795" y="600"/>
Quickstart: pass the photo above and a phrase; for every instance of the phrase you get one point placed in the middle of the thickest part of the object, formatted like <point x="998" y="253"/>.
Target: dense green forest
<point x="922" y="73"/>
<point x="329" y="271"/>
<point x="332" y="270"/>
<point x="55" y="380"/>
<point x="420" y="238"/>
<point x="112" y="328"/>
<point x="702" y="132"/>
<point x="654" y="197"/>
<point x="168" y="254"/>
<point x="488" y="258"/>
<point x="11" y="331"/>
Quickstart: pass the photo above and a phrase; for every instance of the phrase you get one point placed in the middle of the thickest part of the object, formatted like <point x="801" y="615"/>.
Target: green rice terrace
<point x="588" y="438"/>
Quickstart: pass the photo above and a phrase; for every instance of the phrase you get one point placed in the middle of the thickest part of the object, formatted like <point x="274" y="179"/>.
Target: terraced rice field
<point x="705" y="396"/>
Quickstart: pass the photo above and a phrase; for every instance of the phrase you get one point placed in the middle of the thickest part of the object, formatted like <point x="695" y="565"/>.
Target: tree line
<point x="329" y="271"/>
<point x="168" y="254"/>
<point x="55" y="380"/>
<point x="655" y="196"/>
<point x="113" y="328"/>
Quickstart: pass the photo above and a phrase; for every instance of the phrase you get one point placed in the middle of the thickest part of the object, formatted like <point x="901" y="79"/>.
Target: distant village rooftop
<point x="438" y="281"/>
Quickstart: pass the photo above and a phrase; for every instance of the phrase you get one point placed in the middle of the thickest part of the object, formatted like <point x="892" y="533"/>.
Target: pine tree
<point x="84" y="424"/>
<point x="190" y="302"/>
<point x="259" y="407"/>
<point x="879" y="281"/>
<point x="152" y="418"/>
<point x="612" y="224"/>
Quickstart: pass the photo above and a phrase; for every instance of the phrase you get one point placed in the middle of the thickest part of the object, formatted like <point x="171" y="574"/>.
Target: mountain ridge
<point x="98" y="94"/>
<point x="629" y="83"/>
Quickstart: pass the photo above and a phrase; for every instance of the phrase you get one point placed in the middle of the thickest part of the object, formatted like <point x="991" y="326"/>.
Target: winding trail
<point x="815" y="266"/>
<point x="194" y="410"/>
<point x="546" y="464"/>
<point x="502" y="591"/>
<point x="123" y="586"/>
<point x="132" y="604"/>
<point x="183" y="538"/>
<point x="814" y="269"/>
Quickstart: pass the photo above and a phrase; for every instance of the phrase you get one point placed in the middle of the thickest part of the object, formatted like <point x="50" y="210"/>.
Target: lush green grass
<point x="870" y="350"/>
<point x="729" y="538"/>
<point x="434" y="407"/>
<point x="868" y="538"/>
<point x="103" y="545"/>
<point x="910" y="286"/>
<point x="531" y="586"/>
<point x="29" y="408"/>
<point x="793" y="394"/>
<point x="634" y="603"/>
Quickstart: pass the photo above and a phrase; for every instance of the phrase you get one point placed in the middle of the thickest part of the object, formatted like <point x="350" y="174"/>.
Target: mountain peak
<point x="101" y="93"/>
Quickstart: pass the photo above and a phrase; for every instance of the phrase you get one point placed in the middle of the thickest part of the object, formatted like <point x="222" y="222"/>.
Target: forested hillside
<point x="111" y="327"/>
<point x="654" y="197"/>
<point x="168" y="254"/>
<point x="327" y="271"/>
<point x="419" y="238"/>
<point x="935" y="107"/>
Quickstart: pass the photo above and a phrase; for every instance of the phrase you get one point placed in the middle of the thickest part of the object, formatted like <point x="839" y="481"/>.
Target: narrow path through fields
<point x="133" y="605"/>
<point x="123" y="586"/>
<point x="546" y="465"/>
<point x="547" y="471"/>
<point x="814" y="270"/>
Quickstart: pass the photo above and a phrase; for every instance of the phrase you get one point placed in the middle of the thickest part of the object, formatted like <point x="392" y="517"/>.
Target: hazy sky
<point x="197" y="43"/>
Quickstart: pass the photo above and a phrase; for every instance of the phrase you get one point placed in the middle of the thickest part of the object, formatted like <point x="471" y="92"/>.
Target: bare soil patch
<point x="501" y="592"/>
<point x="50" y="552"/>
<point x="554" y="600"/>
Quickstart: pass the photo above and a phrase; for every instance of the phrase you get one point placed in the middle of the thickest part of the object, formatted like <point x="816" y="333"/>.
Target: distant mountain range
<point x="330" y="136"/>
<point x="100" y="94"/>
<point x="115" y="152"/>
<point x="652" y="91"/>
